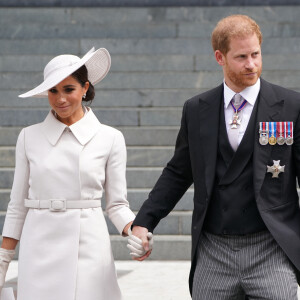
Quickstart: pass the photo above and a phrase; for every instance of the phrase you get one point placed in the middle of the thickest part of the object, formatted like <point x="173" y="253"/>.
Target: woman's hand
<point x="140" y="243"/>
<point x="5" y="258"/>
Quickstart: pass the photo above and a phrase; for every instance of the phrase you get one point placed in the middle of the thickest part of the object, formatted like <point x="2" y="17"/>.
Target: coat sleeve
<point x="117" y="206"/>
<point x="16" y="211"/>
<point x="174" y="181"/>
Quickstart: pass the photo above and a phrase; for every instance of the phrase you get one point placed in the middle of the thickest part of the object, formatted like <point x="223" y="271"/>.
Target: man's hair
<point x="232" y="27"/>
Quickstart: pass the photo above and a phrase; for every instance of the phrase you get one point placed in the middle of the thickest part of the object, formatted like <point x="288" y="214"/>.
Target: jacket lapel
<point x="210" y="104"/>
<point x="225" y="149"/>
<point x="269" y="109"/>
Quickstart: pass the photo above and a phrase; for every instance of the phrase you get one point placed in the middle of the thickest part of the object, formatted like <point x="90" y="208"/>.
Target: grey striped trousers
<point x="230" y="267"/>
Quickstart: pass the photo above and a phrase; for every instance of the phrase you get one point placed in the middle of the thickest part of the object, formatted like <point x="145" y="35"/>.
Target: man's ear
<point x="220" y="57"/>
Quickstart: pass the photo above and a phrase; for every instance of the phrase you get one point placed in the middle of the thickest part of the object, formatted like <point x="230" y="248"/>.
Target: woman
<point x="63" y="166"/>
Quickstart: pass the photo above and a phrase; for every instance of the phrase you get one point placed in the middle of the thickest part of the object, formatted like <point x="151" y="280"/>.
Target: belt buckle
<point x="58" y="205"/>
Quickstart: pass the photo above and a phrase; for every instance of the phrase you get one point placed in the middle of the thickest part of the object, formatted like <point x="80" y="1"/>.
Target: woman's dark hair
<point x="81" y="75"/>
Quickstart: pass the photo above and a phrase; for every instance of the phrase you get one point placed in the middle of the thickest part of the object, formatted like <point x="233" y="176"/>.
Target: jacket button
<point x="195" y="227"/>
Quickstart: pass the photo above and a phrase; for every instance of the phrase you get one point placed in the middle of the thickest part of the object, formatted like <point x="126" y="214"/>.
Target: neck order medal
<point x="236" y="121"/>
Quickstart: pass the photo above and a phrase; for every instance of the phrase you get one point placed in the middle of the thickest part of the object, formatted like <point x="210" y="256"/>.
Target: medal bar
<point x="273" y="133"/>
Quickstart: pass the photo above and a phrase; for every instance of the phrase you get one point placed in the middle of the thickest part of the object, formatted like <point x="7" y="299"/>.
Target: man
<point x="239" y="144"/>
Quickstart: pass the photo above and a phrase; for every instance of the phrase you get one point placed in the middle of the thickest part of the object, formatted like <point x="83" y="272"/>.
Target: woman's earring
<point x="84" y="96"/>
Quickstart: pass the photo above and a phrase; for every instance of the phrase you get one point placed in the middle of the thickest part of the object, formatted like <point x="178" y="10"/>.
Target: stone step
<point x="171" y="46"/>
<point x="5" y="197"/>
<point x="269" y="30"/>
<point x="2" y="218"/>
<point x="152" y="80"/>
<point x="136" y="177"/>
<point x="109" y="116"/>
<point x="65" y="15"/>
<point x="196" y="46"/>
<point x="159" y="29"/>
<point x="136" y="156"/>
<point x="134" y="136"/>
<point x="132" y="80"/>
<point x="166" y="247"/>
<point x="9" y="135"/>
<point x="111" y="98"/>
<point x="7" y="156"/>
<point x="148" y="63"/>
<point x="120" y="63"/>
<point x="106" y="15"/>
<point x="136" y="198"/>
<point x="41" y="30"/>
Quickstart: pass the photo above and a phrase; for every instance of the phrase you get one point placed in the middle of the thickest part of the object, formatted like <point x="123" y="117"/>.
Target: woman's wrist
<point x="125" y="230"/>
<point x="9" y="243"/>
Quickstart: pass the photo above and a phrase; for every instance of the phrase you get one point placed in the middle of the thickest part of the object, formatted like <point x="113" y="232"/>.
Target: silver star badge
<point x="235" y="121"/>
<point x="275" y="169"/>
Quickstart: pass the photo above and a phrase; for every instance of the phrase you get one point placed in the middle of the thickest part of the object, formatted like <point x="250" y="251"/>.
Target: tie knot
<point x="237" y="99"/>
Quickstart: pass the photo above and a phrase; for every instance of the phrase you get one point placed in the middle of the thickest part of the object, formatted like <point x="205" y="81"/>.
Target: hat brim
<point x="97" y="63"/>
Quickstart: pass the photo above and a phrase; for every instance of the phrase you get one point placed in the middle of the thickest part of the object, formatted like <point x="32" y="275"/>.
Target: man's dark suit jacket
<point x="194" y="161"/>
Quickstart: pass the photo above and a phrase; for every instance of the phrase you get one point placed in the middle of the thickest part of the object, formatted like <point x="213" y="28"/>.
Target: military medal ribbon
<point x="280" y="133"/>
<point x="263" y="133"/>
<point x="272" y="133"/>
<point x="289" y="133"/>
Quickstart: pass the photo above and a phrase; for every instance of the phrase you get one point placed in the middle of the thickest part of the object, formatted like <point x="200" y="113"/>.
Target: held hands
<point x="5" y="258"/>
<point x="140" y="243"/>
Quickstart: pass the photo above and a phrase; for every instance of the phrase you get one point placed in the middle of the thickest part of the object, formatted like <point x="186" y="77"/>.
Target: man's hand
<point x="5" y="258"/>
<point x="140" y="243"/>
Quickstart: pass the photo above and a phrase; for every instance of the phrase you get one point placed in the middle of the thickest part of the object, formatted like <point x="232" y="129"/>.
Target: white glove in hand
<point x="135" y="244"/>
<point x="5" y="258"/>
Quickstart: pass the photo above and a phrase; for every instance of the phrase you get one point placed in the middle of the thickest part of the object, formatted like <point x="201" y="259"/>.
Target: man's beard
<point x="241" y="80"/>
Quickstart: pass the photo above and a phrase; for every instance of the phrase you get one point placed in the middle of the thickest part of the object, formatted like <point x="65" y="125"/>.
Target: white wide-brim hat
<point x="60" y="67"/>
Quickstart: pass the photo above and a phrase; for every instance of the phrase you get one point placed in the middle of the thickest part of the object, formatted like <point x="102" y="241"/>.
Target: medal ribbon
<point x="236" y="110"/>
<point x="285" y="130"/>
<point x="262" y="126"/>
<point x="290" y="129"/>
<point x="266" y="126"/>
<point x="279" y="131"/>
<point x="272" y="129"/>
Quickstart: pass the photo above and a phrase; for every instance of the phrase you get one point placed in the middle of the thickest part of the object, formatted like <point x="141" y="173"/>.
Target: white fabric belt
<point x="61" y="204"/>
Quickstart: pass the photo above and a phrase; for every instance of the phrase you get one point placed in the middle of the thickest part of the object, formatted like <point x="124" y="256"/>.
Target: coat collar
<point x="210" y="104"/>
<point x="250" y="93"/>
<point x="83" y="130"/>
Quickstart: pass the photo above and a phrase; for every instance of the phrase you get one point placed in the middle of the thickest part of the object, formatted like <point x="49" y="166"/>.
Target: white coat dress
<point x="66" y="255"/>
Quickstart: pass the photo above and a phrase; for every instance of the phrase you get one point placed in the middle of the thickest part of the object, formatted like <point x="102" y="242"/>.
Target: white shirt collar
<point x="83" y="130"/>
<point x="250" y="93"/>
